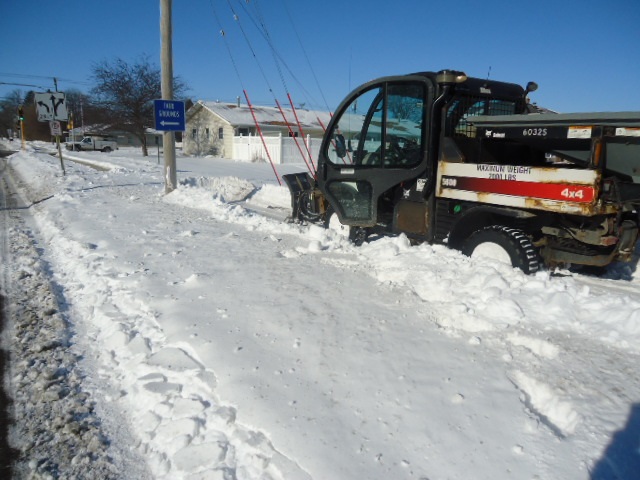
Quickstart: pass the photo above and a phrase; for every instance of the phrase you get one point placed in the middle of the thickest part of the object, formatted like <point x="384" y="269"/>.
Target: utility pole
<point x="166" y="59"/>
<point x="55" y="83"/>
<point x="21" y="120"/>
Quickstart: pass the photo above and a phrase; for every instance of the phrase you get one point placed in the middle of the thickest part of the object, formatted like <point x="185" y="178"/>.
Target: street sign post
<point x="51" y="107"/>
<point x="169" y="115"/>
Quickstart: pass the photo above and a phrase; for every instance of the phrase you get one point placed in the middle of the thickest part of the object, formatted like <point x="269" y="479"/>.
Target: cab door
<point x="375" y="142"/>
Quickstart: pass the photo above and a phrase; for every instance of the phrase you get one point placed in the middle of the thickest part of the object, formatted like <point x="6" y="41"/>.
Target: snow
<point x="239" y="114"/>
<point x="205" y="337"/>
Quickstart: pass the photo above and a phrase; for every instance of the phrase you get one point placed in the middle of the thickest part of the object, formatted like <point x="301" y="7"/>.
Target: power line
<point x="282" y="61"/>
<point x="267" y="37"/>
<point x="246" y="95"/>
<point x="253" y="52"/>
<point x="24" y="85"/>
<point x="226" y="44"/>
<point x="53" y="78"/>
<point x="270" y="43"/>
<point x="21" y="75"/>
<point x="306" y="56"/>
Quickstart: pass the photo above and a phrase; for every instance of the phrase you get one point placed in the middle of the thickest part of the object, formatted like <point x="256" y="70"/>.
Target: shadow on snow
<point x="621" y="459"/>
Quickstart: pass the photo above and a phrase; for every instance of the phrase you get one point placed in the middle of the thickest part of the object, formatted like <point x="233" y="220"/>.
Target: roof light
<point x="450" y="76"/>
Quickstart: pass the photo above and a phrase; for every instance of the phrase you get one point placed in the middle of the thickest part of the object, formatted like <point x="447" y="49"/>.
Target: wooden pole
<point x="166" y="59"/>
<point x="24" y="147"/>
<point x="53" y="109"/>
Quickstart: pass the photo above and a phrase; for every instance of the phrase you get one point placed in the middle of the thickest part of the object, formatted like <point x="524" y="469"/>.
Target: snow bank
<point x="239" y="346"/>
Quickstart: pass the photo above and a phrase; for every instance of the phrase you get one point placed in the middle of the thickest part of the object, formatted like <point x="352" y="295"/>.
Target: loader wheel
<point x="333" y="223"/>
<point x="357" y="235"/>
<point x="503" y="244"/>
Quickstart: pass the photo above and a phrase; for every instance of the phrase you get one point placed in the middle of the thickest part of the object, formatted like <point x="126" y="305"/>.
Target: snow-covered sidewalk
<point x="214" y="342"/>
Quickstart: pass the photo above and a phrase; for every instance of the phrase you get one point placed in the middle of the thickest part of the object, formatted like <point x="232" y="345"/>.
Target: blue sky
<point x="583" y="54"/>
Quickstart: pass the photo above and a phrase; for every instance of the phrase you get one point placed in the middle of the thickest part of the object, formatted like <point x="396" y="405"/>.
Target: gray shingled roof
<point x="240" y="116"/>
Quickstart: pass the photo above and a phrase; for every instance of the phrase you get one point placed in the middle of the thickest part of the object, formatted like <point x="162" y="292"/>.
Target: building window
<point x="194" y="133"/>
<point x="221" y="133"/>
<point x="206" y="132"/>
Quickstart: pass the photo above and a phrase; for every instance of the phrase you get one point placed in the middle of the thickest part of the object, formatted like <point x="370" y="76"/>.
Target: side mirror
<point x="531" y="87"/>
<point x="341" y="146"/>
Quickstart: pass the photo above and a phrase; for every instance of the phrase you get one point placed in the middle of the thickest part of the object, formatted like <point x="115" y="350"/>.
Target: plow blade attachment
<point x="307" y="202"/>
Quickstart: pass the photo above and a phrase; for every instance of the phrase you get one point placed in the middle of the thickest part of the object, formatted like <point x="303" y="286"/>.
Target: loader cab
<point x="378" y="160"/>
<point x="375" y="147"/>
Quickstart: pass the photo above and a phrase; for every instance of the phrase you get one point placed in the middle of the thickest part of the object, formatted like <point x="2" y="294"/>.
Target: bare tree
<point x="84" y="110"/>
<point x="33" y="130"/>
<point x="9" y="111"/>
<point x="405" y="107"/>
<point x="127" y="90"/>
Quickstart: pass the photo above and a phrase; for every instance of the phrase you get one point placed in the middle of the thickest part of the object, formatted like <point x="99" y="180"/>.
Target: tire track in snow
<point x="184" y="416"/>
<point x="545" y="404"/>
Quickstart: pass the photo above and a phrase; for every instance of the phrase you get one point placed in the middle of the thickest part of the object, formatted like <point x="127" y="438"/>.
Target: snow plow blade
<point x="307" y="202"/>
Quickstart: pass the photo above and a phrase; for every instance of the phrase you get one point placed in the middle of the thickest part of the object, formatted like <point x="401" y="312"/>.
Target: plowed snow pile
<point x="198" y="338"/>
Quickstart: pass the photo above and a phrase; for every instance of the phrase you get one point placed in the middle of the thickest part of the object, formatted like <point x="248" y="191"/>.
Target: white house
<point x="229" y="130"/>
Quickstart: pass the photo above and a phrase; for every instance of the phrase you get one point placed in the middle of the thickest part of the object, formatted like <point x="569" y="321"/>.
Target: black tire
<point x="106" y="149"/>
<point x="514" y="242"/>
<point x="331" y="219"/>
<point x="77" y="148"/>
<point x="357" y="235"/>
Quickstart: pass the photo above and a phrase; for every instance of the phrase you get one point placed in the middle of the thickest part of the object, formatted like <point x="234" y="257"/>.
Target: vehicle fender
<point x="481" y="216"/>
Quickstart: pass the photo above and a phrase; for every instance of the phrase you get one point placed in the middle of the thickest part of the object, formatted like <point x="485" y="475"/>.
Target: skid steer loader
<point x="445" y="158"/>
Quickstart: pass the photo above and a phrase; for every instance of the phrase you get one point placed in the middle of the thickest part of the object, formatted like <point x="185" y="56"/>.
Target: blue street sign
<point x="169" y="115"/>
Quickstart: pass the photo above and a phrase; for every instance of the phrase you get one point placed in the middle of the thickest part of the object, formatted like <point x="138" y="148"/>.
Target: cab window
<point x="463" y="108"/>
<point x="382" y="127"/>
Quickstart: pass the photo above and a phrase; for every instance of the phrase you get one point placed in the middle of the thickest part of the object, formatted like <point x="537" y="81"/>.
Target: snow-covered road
<point x="213" y="342"/>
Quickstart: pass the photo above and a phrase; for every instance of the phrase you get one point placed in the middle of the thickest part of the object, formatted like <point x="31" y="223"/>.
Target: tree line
<point x="121" y="99"/>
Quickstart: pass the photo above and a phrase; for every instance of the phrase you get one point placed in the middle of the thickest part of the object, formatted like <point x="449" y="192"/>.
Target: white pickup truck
<point x="103" y="144"/>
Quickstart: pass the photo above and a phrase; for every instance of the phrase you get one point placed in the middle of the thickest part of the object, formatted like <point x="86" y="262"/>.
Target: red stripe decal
<point x="550" y="191"/>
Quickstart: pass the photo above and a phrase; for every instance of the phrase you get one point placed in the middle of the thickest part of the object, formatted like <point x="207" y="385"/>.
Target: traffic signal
<point x="21" y="114"/>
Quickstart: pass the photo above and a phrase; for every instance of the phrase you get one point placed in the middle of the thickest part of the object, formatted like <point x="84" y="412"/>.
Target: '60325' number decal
<point x="534" y="132"/>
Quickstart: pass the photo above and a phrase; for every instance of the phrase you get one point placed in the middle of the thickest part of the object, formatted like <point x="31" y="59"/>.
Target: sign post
<point x="166" y="90"/>
<point x="51" y="107"/>
<point x="21" y="120"/>
<point x="169" y="117"/>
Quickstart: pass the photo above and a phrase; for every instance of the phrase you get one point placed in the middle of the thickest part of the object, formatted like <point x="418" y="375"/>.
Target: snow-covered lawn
<point x="216" y="342"/>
